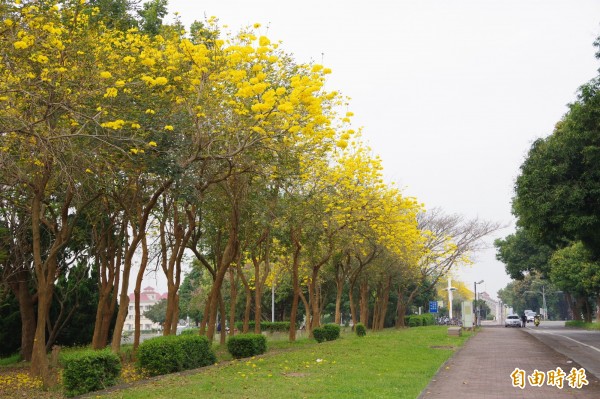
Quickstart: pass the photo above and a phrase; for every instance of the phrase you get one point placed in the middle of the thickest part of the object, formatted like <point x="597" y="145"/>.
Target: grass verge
<point x="388" y="364"/>
<point x="582" y="324"/>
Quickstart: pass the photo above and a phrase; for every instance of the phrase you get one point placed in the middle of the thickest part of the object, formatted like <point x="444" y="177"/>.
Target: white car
<point x="530" y="315"/>
<point x="512" y="320"/>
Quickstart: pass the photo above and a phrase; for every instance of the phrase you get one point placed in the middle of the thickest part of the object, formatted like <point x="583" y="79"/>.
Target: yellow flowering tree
<point x="51" y="131"/>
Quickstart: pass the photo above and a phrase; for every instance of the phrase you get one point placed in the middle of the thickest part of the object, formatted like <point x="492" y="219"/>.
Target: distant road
<point x="583" y="346"/>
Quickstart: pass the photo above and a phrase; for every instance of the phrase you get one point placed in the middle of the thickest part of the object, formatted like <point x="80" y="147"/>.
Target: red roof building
<point x="148" y="297"/>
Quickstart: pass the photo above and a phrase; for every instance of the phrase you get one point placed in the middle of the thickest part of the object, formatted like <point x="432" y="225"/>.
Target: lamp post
<point x="476" y="304"/>
<point x="450" y="289"/>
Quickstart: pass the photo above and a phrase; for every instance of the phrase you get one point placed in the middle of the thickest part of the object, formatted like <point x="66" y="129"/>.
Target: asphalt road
<point x="583" y="346"/>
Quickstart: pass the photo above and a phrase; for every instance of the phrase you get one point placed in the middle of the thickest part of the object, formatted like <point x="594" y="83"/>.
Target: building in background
<point x="148" y="298"/>
<point x="492" y="304"/>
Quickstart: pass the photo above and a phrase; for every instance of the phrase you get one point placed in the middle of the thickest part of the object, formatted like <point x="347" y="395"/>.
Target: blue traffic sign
<point x="433" y="306"/>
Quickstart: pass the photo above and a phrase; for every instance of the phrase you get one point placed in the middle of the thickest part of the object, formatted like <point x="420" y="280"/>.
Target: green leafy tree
<point x="521" y="254"/>
<point x="152" y="13"/>
<point x="157" y="312"/>
<point x="558" y="190"/>
<point x="573" y="270"/>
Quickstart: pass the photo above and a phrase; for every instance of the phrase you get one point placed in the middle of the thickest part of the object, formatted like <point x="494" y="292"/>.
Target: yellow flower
<point x="88" y="171"/>
<point x="152" y="144"/>
<point x="115" y="125"/>
<point x="42" y="59"/>
<point x="264" y="41"/>
<point x="111" y="92"/>
<point x="133" y="150"/>
<point x="19" y="45"/>
<point x="342" y="144"/>
<point x="120" y="83"/>
<point x="8" y="22"/>
<point x="135" y="126"/>
<point x="256" y="25"/>
<point x="105" y="75"/>
<point x="161" y="80"/>
<point x="150" y="111"/>
<point x="169" y="127"/>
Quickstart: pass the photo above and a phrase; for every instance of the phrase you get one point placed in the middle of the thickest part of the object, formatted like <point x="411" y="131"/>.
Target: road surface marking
<point x="569" y="338"/>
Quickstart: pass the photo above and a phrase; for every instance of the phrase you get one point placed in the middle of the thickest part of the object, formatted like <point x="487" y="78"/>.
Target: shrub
<point x="333" y="331"/>
<point x="329" y="332"/>
<point x="428" y="319"/>
<point x="89" y="370"/>
<point x="246" y="345"/>
<point x="197" y="351"/>
<point x="163" y="355"/>
<point x="415" y="321"/>
<point x="190" y="331"/>
<point x="319" y="334"/>
<point x="277" y="326"/>
<point x="360" y="329"/>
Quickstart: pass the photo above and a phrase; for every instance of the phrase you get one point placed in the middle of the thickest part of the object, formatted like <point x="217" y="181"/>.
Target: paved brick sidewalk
<point x="482" y="367"/>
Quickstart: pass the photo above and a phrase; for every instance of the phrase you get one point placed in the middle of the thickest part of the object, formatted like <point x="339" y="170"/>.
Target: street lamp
<point x="476" y="304"/>
<point x="450" y="289"/>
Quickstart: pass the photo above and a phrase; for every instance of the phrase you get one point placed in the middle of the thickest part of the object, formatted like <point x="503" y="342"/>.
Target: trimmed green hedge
<point x="329" y="332"/>
<point x="190" y="331"/>
<point x="360" y="329"/>
<point x="246" y="345"/>
<point x="90" y="370"/>
<point x="173" y="353"/>
<point x="277" y="326"/>
<point x="418" y="320"/>
<point x="582" y="324"/>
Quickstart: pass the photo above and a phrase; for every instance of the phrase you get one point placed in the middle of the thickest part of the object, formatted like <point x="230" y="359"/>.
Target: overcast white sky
<point x="450" y="93"/>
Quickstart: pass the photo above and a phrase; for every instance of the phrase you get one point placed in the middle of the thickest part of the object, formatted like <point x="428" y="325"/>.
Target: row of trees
<point x="125" y="141"/>
<point x="557" y="204"/>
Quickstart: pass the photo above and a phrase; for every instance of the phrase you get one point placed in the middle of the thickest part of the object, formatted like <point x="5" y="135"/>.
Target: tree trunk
<point x="257" y="296"/>
<point x="123" y="307"/>
<point x="136" y="293"/>
<point x="571" y="304"/>
<point x="45" y="269"/>
<point x="229" y="255"/>
<point x="102" y="304"/>
<point x="339" y="285"/>
<point x="27" y="313"/>
<point x="352" y="305"/>
<point x="295" y="238"/>
<point x="364" y="303"/>
<point x="19" y="285"/>
<point x="384" y="301"/>
<point x="232" y="304"/>
<point x="110" y="253"/>
<point x="39" y="359"/>
<point x="222" y="320"/>
<point x="314" y="300"/>
<point x="175" y="314"/>
<point x="400" y="312"/>
<point x="588" y="310"/>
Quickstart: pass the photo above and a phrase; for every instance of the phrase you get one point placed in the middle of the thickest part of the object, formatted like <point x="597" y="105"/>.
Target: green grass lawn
<point x="582" y="324"/>
<point x="388" y="364"/>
